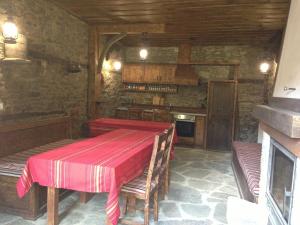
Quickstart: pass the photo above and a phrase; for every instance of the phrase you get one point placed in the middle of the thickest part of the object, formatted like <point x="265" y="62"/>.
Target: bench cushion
<point x="249" y="157"/>
<point x="13" y="165"/>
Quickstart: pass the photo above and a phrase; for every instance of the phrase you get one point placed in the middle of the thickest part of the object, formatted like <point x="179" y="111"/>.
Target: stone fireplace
<point x="280" y="167"/>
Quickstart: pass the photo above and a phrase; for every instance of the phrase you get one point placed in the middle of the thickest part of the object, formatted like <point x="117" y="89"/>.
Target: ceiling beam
<point x="132" y="28"/>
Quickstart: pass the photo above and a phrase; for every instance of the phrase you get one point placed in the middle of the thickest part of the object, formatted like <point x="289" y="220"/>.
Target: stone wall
<point x="250" y="92"/>
<point x="45" y="85"/>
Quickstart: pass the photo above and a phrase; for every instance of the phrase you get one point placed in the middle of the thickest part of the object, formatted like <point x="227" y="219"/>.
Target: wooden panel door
<point x="133" y="73"/>
<point x="221" y="113"/>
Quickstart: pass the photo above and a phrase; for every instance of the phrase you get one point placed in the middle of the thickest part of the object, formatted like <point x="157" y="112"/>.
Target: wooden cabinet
<point x="149" y="73"/>
<point x="152" y="73"/>
<point x="167" y="74"/>
<point x="133" y="73"/>
<point x="200" y="131"/>
<point x="159" y="74"/>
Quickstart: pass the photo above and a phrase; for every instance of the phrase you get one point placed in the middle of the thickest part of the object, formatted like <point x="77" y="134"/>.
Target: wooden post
<point x="93" y="58"/>
<point x="184" y="54"/>
<point x="52" y="206"/>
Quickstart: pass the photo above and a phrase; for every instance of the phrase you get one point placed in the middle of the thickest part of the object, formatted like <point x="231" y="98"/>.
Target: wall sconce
<point x="117" y="65"/>
<point x="10" y="31"/>
<point x="264" y="67"/>
<point x="143" y="54"/>
<point x="106" y="65"/>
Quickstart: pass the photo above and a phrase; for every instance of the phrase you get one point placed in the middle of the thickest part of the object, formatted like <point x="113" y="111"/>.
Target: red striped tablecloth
<point x="96" y="127"/>
<point x="100" y="164"/>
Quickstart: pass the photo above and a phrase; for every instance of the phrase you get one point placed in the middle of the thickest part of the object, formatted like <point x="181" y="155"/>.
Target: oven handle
<point x="190" y="121"/>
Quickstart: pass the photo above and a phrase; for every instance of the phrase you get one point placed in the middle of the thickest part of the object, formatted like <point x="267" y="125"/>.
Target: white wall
<point x="289" y="65"/>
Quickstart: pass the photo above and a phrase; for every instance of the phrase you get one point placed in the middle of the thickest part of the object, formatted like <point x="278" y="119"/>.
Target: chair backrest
<point x="156" y="161"/>
<point x="168" y="146"/>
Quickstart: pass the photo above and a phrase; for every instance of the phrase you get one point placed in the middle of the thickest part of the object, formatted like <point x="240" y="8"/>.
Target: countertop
<point x="171" y="109"/>
<point x="188" y="113"/>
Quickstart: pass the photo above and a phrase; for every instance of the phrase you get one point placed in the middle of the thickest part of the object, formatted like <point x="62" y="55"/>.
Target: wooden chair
<point x="146" y="186"/>
<point x="164" y="181"/>
<point x="165" y="166"/>
<point x="148" y="115"/>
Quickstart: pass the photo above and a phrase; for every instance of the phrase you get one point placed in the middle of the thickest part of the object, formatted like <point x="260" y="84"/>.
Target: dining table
<point x="94" y="165"/>
<point x="102" y="125"/>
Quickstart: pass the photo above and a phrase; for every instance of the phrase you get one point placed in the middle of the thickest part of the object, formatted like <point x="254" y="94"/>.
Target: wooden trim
<point x="233" y="128"/>
<point x="292" y="144"/>
<point x="202" y="63"/>
<point x="131" y="28"/>
<point x="27" y="124"/>
<point x="92" y="60"/>
<point x="251" y="81"/>
<point x="106" y="49"/>
<point x="52" y="206"/>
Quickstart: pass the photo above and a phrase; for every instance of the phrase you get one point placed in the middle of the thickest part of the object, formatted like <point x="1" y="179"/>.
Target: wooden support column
<point x="52" y="206"/>
<point x="184" y="54"/>
<point x="93" y="64"/>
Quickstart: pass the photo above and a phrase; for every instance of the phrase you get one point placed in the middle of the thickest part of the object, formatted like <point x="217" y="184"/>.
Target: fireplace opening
<point x="281" y="183"/>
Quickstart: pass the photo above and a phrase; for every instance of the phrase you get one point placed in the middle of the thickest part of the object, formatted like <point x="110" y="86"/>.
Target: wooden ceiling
<point x="195" y="21"/>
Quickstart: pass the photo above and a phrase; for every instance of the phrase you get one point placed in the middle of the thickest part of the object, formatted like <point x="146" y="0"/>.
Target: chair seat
<point x="137" y="186"/>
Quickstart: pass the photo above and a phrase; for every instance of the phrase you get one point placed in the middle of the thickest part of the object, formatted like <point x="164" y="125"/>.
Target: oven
<point x="185" y="125"/>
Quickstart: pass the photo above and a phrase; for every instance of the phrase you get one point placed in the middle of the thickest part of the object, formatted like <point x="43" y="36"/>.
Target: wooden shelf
<point x="15" y="60"/>
<point x="149" y="91"/>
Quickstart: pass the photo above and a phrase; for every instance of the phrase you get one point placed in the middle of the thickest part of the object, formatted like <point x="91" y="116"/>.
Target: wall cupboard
<point x="154" y="74"/>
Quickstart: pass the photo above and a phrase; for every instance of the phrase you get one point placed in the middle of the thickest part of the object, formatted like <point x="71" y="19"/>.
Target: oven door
<point x="185" y="128"/>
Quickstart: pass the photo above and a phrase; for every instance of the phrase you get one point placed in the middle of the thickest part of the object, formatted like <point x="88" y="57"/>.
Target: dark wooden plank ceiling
<point x="195" y="21"/>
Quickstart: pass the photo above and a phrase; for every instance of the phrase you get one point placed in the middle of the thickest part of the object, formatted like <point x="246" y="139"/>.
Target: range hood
<point x="185" y="73"/>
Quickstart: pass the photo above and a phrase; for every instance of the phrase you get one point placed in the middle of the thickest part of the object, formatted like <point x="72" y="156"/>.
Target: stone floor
<point x="201" y="182"/>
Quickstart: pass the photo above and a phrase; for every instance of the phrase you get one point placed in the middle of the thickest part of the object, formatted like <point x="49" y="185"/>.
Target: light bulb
<point x="143" y="53"/>
<point x="117" y="65"/>
<point x="264" y="67"/>
<point x="10" y="32"/>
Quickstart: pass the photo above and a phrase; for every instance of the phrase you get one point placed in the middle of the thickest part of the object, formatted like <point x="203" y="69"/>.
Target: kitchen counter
<point x="172" y="109"/>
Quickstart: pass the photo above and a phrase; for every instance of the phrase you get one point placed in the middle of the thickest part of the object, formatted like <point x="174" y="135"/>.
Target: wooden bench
<point x="18" y="141"/>
<point x="246" y="158"/>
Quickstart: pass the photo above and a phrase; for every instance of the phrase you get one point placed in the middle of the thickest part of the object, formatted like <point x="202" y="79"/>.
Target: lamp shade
<point x="10" y="32"/>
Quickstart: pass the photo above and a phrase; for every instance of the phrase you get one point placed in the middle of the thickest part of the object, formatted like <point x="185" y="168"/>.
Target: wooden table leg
<point x="131" y="204"/>
<point x="85" y="197"/>
<point x="52" y="206"/>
